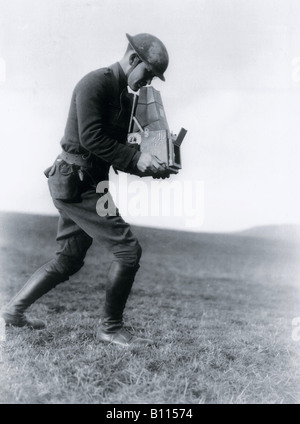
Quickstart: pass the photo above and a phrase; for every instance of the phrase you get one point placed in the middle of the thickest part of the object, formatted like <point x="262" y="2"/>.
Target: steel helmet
<point x="151" y="51"/>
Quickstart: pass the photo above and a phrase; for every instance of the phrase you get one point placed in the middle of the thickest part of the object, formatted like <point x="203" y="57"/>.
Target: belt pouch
<point x="63" y="181"/>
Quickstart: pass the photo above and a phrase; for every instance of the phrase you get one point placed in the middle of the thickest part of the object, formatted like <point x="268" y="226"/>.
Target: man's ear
<point x="134" y="60"/>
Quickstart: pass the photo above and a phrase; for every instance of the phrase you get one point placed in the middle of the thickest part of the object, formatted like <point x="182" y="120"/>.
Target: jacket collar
<point x="119" y="76"/>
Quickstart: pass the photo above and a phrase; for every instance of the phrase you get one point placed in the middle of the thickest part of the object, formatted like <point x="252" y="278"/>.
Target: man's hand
<point x="166" y="174"/>
<point x="151" y="165"/>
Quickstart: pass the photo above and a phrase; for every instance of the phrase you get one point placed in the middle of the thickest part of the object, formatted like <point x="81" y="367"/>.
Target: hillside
<point x="254" y="253"/>
<point x="283" y="232"/>
<point x="220" y="308"/>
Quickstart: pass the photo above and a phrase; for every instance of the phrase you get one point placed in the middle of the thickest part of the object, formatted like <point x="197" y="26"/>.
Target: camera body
<point x="149" y="130"/>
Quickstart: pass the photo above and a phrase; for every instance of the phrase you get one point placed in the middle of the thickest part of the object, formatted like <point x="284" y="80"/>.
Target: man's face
<point x="139" y="77"/>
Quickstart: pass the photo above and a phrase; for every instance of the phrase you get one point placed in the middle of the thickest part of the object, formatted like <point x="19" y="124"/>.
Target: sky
<point x="233" y="82"/>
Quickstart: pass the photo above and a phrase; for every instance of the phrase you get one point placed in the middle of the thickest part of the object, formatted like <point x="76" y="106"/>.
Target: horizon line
<point x="241" y="230"/>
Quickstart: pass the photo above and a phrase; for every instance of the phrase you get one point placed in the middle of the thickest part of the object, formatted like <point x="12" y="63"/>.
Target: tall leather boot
<point x="40" y="283"/>
<point x="111" y="330"/>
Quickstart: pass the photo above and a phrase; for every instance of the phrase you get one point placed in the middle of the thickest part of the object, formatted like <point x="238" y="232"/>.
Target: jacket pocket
<point x="63" y="181"/>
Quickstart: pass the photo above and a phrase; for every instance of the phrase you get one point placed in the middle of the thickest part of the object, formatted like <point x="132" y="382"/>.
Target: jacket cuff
<point x="132" y="167"/>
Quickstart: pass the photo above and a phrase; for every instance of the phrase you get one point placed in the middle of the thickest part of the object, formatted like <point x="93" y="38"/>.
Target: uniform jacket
<point x="98" y="120"/>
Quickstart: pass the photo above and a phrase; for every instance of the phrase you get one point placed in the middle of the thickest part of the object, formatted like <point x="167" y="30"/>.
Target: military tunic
<point x="96" y="128"/>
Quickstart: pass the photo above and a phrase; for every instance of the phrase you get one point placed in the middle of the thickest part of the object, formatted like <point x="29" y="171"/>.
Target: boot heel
<point x="22" y="321"/>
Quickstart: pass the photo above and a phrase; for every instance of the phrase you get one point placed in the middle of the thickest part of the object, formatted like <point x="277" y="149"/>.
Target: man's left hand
<point x="167" y="174"/>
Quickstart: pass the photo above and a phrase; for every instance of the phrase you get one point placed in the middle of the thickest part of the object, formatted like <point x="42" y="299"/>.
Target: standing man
<point x="94" y="139"/>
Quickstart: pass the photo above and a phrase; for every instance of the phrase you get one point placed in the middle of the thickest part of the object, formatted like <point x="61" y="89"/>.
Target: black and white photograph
<point x="149" y="206"/>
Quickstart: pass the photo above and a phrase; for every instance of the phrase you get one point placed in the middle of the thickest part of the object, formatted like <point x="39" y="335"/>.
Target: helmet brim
<point x="143" y="58"/>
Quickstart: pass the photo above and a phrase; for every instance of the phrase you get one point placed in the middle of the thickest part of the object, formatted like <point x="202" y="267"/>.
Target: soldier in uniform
<point x="94" y="140"/>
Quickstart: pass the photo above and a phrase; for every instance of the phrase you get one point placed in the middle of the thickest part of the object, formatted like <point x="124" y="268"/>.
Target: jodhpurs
<point x="79" y="224"/>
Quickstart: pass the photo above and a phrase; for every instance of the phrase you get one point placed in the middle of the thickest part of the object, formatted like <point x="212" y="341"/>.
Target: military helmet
<point x="151" y="51"/>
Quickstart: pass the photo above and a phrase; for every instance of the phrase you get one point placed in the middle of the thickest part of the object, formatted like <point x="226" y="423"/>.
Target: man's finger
<point x="157" y="168"/>
<point x="156" y="162"/>
<point x="160" y="161"/>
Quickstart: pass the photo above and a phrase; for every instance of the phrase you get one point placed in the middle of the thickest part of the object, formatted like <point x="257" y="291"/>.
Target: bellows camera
<point x="149" y="130"/>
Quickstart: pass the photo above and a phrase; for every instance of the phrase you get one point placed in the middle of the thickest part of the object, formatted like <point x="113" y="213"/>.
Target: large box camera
<point x="149" y="130"/>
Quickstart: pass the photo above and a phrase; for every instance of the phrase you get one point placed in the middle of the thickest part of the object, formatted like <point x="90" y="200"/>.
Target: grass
<point x="219" y="307"/>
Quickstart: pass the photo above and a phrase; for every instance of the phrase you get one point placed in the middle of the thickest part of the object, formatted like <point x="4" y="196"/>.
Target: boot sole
<point x="9" y="322"/>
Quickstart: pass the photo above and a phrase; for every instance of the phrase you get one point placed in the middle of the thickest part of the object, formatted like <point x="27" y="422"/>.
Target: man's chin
<point x="137" y="86"/>
<point x="134" y="87"/>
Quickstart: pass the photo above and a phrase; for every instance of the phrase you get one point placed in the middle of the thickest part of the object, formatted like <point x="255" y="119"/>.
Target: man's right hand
<point x="151" y="165"/>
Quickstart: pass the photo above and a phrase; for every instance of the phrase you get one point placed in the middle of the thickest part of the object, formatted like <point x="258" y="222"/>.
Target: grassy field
<point x="219" y="306"/>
